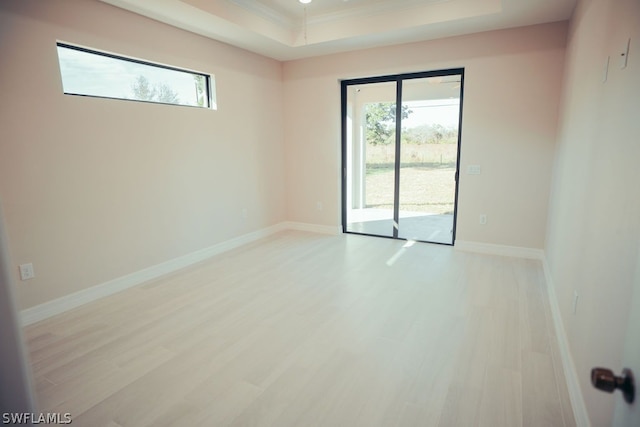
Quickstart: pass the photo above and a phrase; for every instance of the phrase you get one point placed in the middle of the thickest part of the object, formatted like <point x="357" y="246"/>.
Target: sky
<point x="440" y="111"/>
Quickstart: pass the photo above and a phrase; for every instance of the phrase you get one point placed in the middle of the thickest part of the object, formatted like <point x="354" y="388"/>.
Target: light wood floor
<point x="310" y="330"/>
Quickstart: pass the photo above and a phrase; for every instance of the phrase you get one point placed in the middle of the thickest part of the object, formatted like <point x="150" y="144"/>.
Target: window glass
<point x="92" y="73"/>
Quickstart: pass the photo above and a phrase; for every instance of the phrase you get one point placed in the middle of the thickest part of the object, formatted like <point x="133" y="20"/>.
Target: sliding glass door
<point x="400" y="144"/>
<point x="371" y="157"/>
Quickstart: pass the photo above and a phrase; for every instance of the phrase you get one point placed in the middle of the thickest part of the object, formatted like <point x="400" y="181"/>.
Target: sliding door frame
<point x="398" y="79"/>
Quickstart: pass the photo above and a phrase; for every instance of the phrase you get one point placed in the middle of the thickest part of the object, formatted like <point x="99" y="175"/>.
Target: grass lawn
<point x="427" y="178"/>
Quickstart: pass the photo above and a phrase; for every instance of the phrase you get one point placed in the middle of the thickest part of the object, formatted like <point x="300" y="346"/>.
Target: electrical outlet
<point x="245" y="214"/>
<point x="26" y="271"/>
<point x="319" y="206"/>
<point x="483" y="219"/>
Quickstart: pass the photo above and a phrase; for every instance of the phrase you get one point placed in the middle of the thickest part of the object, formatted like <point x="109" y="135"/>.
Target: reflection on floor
<point x="413" y="225"/>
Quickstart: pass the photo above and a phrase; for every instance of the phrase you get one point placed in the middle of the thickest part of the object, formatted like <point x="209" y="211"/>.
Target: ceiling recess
<point x="284" y="30"/>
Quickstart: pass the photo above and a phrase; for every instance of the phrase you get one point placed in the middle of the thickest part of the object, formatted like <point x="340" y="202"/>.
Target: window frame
<point x="398" y="79"/>
<point x="210" y="98"/>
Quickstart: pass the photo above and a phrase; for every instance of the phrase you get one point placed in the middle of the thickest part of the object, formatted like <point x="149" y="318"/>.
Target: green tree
<point x="200" y="92"/>
<point x="380" y="120"/>
<point x="162" y="92"/>
<point x="142" y="90"/>
<point x="431" y="134"/>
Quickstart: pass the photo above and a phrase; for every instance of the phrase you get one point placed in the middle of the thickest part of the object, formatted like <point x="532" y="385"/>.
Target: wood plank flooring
<point x="310" y="330"/>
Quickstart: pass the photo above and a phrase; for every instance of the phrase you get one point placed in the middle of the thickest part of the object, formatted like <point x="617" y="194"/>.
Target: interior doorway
<point x="400" y="155"/>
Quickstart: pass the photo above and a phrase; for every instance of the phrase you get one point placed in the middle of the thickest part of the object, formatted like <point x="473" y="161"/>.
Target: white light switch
<point x="26" y="271"/>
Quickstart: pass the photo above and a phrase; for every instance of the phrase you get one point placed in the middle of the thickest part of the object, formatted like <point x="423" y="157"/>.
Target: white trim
<point x="502" y="250"/>
<point x="570" y="373"/>
<point x="313" y="228"/>
<point x="68" y="302"/>
<point x="373" y="10"/>
<point x="266" y="12"/>
<point x="60" y="305"/>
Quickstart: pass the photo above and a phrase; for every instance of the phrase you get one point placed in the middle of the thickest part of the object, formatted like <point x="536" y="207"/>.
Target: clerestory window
<point x="87" y="72"/>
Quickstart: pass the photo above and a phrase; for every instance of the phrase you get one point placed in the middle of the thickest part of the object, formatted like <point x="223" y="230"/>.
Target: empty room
<point x="319" y="213"/>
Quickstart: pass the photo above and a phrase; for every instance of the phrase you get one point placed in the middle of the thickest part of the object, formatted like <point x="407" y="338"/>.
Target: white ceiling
<point x="286" y="29"/>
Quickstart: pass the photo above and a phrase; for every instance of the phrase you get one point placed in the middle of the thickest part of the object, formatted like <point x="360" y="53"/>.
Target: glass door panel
<point x="370" y="158"/>
<point x="400" y="155"/>
<point x="428" y="160"/>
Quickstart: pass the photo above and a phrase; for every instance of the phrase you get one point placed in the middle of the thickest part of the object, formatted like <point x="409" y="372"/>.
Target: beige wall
<point x="512" y="91"/>
<point x="95" y="189"/>
<point x="594" y="223"/>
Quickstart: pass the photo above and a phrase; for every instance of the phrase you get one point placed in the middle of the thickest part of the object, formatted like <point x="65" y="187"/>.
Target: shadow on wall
<point x="16" y="395"/>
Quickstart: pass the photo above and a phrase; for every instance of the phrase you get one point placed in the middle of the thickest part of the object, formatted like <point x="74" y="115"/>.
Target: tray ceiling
<point x="286" y="29"/>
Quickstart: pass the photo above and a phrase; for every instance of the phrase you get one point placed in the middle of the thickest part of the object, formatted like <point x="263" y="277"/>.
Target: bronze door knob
<point x="605" y="380"/>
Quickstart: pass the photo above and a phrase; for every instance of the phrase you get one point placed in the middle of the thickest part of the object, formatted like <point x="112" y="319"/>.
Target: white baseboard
<point x="501" y="250"/>
<point x="68" y="302"/>
<point x="570" y="373"/>
<point x="313" y="228"/>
